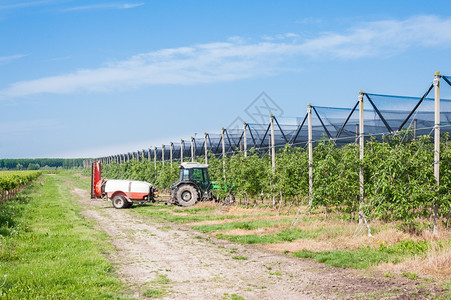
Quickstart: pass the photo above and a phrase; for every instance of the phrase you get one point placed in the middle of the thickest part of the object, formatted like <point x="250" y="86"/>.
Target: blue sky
<point x="95" y="78"/>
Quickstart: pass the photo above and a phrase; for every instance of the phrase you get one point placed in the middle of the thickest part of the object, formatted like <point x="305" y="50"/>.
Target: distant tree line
<point x="40" y="163"/>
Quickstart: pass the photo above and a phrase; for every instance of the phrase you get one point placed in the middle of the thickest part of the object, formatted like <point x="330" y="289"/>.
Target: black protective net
<point x="383" y="114"/>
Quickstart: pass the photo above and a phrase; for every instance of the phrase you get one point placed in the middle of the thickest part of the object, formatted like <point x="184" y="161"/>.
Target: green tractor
<point x="194" y="185"/>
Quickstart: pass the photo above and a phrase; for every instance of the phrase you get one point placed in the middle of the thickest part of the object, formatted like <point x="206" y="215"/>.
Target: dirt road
<point x="190" y="265"/>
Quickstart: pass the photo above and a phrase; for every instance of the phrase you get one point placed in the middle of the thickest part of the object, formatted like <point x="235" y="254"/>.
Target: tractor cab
<point x="193" y="184"/>
<point x="195" y="172"/>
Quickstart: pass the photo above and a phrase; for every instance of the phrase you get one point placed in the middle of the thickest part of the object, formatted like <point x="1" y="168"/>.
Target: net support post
<point x="245" y="139"/>
<point x="361" y="156"/>
<point x="155" y="160"/>
<point x="206" y="147"/>
<point x="192" y="149"/>
<point x="223" y="153"/>
<point x="162" y="154"/>
<point x="171" y="147"/>
<point x="310" y="155"/>
<point x="181" y="150"/>
<point x="436" y="83"/>
<point x="273" y="146"/>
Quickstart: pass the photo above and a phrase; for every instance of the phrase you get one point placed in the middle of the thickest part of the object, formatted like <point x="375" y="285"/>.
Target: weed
<point x="412" y="276"/>
<point x="154" y="293"/>
<point x="161" y="279"/>
<point x="232" y="297"/>
<point x="240" y="257"/>
<point x="278" y="273"/>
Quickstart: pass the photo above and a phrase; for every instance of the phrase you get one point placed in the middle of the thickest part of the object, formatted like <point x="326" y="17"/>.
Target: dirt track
<point x="199" y="266"/>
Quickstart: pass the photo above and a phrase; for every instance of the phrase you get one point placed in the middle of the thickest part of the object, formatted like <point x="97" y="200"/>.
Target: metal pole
<point x="310" y="155"/>
<point x="162" y="154"/>
<point x="155" y="160"/>
<point x="436" y="83"/>
<point x="192" y="149"/>
<point x="273" y="146"/>
<point x="171" y="146"/>
<point x="181" y="150"/>
<point x="361" y="155"/>
<point x="223" y="154"/>
<point x="245" y="139"/>
<point x="206" y="147"/>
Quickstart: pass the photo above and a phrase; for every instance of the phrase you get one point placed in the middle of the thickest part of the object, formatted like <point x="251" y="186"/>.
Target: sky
<point x="97" y="78"/>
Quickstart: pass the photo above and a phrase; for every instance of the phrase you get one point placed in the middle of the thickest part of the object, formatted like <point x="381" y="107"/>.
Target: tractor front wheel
<point x="229" y="199"/>
<point x="186" y="195"/>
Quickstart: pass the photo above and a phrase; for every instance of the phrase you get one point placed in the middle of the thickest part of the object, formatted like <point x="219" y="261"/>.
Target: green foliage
<point x="399" y="183"/>
<point x="12" y="179"/>
<point x="40" y="163"/>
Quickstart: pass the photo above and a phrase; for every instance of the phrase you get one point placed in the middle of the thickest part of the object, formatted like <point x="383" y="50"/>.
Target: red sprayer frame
<point x="96" y="177"/>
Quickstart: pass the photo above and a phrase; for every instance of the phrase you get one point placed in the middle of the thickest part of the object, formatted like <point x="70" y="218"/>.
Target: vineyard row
<point x="11" y="182"/>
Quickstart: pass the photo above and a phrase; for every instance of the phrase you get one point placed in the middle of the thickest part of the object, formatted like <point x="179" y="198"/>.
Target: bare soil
<point x="199" y="266"/>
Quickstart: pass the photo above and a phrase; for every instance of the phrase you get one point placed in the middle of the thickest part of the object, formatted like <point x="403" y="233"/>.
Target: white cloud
<point x="237" y="59"/>
<point x="7" y="59"/>
<point x="105" y="6"/>
<point x="18" y="4"/>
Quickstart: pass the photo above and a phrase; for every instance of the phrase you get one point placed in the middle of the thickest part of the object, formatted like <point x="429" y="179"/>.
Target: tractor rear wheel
<point x="119" y="201"/>
<point x="186" y="195"/>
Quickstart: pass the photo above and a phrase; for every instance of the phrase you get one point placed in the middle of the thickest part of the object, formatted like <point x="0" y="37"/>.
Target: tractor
<point x="194" y="185"/>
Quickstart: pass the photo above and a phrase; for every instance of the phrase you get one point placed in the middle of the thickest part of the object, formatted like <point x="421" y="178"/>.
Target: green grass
<point x="195" y="210"/>
<point x="246" y="225"/>
<point x="162" y="279"/>
<point x="160" y="213"/>
<point x="228" y="296"/>
<point x="366" y="257"/>
<point x="286" y="235"/>
<point x="154" y="293"/>
<point x="240" y="257"/>
<point x="48" y="250"/>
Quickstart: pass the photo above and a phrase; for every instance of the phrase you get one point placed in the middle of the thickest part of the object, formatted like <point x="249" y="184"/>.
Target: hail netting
<point x="383" y="114"/>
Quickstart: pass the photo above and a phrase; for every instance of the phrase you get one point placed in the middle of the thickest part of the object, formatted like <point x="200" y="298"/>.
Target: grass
<point x="48" y="250"/>
<point x="154" y="293"/>
<point x="161" y="213"/>
<point x="366" y="257"/>
<point x="228" y="296"/>
<point x="240" y="257"/>
<point x="285" y="235"/>
<point x="246" y="225"/>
